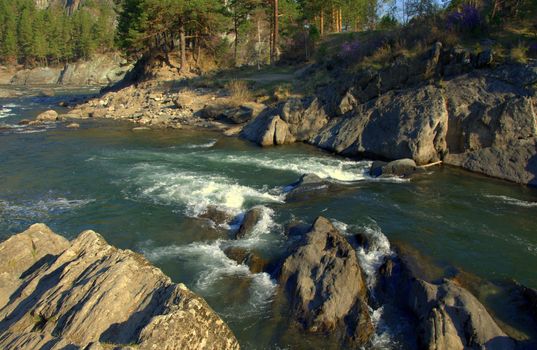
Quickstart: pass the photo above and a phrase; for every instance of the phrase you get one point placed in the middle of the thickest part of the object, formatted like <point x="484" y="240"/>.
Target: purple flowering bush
<point x="350" y="49"/>
<point x="465" y="19"/>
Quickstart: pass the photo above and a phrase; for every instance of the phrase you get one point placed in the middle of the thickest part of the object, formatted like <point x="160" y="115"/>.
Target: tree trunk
<point x="182" y="40"/>
<point x="321" y="29"/>
<point x="236" y="53"/>
<point x="275" y="33"/>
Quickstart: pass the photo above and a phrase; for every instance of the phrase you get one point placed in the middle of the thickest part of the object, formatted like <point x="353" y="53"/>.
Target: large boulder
<point x="97" y="296"/>
<point x="450" y="317"/>
<point x="409" y="124"/>
<point x="48" y="116"/>
<point x="305" y="117"/>
<point x="268" y="130"/>
<point x="326" y="286"/>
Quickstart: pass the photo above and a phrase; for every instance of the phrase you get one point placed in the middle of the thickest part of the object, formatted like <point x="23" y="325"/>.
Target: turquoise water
<point x="146" y="190"/>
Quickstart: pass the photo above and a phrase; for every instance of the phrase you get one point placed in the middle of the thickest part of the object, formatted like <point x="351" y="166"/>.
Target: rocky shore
<point x="86" y="294"/>
<point x="438" y="107"/>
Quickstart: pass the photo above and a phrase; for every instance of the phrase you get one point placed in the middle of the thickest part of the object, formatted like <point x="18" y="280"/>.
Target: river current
<point x="145" y="191"/>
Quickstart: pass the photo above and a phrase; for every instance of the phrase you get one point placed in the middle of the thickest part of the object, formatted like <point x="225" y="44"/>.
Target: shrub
<point x="465" y="19"/>
<point x="239" y="91"/>
<point x="519" y="53"/>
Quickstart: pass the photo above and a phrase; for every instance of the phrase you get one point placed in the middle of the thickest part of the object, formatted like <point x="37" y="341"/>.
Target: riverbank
<point x="437" y="107"/>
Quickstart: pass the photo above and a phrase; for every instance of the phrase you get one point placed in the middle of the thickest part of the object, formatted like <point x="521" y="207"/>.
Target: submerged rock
<point x="248" y="258"/>
<point x="97" y="296"/>
<point x="73" y="126"/>
<point x="216" y="215"/>
<point x="400" y="167"/>
<point x="250" y="220"/>
<point x="310" y="186"/>
<point x="48" y="116"/>
<point x="326" y="286"/>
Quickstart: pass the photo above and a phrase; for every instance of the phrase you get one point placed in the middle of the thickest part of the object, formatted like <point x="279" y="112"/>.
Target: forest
<point x="239" y="32"/>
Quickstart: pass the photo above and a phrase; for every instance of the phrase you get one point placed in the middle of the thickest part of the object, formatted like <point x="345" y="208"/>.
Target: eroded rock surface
<point x="325" y="284"/>
<point x="93" y="293"/>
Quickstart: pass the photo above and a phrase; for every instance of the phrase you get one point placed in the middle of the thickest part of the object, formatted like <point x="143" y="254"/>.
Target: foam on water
<point x="208" y="144"/>
<point x="374" y="255"/>
<point x="197" y="192"/>
<point x="40" y="209"/>
<point x="333" y="168"/>
<point x="216" y="266"/>
<point x="513" y="201"/>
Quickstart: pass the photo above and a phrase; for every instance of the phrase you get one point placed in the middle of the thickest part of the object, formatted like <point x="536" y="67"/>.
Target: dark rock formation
<point x="250" y="259"/>
<point x="325" y="285"/>
<point x="87" y="293"/>
<point x="250" y="220"/>
<point x="451" y="318"/>
<point x="400" y="167"/>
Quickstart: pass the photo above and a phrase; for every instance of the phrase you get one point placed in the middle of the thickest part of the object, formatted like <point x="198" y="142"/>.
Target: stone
<point x="88" y="294"/>
<point x="250" y="220"/>
<point x="304" y="117"/>
<point x="309" y="185"/>
<point x="48" y="116"/>
<point x="400" y="167"/>
<point x="216" y="215"/>
<point x="410" y="124"/>
<point x="250" y="259"/>
<point x="485" y="58"/>
<point x="24" y="122"/>
<point x="47" y="93"/>
<point x="326" y="286"/>
<point x="73" y="126"/>
<point x="20" y="252"/>
<point x="268" y="130"/>
<point x="450" y="317"/>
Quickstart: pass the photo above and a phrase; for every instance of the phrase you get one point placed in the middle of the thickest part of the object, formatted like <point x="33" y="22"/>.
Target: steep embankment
<point x="57" y="294"/>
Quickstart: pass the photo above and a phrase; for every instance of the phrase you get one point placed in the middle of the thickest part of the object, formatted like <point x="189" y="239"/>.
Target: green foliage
<point x="34" y="36"/>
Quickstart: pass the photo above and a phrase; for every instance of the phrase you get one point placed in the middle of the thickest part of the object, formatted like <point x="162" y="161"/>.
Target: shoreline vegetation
<point x="434" y="86"/>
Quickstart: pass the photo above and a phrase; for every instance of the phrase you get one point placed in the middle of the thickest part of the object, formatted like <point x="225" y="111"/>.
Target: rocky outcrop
<point x="268" y="130"/>
<point x="100" y="70"/>
<point x="325" y="285"/>
<point x="451" y="318"/>
<point x="409" y="124"/>
<point x="89" y="294"/>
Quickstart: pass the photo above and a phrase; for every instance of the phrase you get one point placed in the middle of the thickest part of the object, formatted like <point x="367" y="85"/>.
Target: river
<point x="146" y="190"/>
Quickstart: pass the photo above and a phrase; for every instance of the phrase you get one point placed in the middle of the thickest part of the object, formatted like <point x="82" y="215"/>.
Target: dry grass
<point x="519" y="53"/>
<point x="239" y="91"/>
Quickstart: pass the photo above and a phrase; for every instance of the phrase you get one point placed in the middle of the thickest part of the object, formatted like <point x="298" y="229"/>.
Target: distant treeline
<point x="32" y="36"/>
